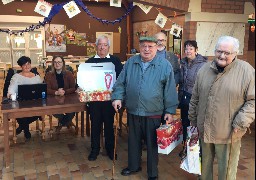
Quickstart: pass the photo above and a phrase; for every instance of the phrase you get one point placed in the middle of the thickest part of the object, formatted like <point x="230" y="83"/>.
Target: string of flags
<point x="72" y="9"/>
<point x="161" y="19"/>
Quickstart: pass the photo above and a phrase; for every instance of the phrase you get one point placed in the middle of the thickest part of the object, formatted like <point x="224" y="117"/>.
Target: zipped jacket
<point x="149" y="92"/>
<point x="222" y="101"/>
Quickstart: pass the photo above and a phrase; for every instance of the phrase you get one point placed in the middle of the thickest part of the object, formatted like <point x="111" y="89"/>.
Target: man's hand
<point x="168" y="118"/>
<point x="117" y="104"/>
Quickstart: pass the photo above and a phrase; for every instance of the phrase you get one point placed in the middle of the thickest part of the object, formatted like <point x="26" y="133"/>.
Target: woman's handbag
<point x="184" y="99"/>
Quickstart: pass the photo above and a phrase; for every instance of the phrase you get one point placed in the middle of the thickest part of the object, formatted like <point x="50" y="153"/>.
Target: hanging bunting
<point x="175" y="30"/>
<point x="116" y="3"/>
<point x="56" y="9"/>
<point x="7" y="1"/>
<point x="43" y="8"/>
<point x="161" y="20"/>
<point x="71" y="9"/>
<point x="145" y="8"/>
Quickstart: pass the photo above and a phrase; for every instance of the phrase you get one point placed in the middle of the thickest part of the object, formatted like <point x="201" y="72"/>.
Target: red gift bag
<point x="169" y="136"/>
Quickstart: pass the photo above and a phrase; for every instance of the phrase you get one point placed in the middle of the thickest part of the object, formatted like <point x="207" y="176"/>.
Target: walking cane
<point x="114" y="156"/>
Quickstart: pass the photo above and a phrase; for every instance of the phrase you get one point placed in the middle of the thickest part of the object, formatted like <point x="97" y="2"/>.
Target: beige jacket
<point x="223" y="101"/>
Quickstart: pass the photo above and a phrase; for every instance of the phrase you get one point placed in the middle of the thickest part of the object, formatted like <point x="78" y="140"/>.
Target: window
<point x="30" y="44"/>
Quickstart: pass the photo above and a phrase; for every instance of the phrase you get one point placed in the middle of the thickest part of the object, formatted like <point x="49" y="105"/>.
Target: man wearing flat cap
<point x="147" y="86"/>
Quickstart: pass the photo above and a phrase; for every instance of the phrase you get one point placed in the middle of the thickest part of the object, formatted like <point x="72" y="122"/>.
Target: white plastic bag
<point x="192" y="161"/>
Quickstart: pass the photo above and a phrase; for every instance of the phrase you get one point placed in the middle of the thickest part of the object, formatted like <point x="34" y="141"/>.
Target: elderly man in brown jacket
<point x="223" y="107"/>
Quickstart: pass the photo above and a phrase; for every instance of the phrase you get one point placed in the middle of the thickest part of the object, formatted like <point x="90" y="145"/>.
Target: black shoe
<point x="27" y="135"/>
<point x="110" y="155"/>
<point x="92" y="156"/>
<point x="18" y="130"/>
<point x="152" y="178"/>
<point x="128" y="172"/>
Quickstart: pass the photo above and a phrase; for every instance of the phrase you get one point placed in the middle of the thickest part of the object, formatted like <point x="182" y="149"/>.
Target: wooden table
<point x="49" y="106"/>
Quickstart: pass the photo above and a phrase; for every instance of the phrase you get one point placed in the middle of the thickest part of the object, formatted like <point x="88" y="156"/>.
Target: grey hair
<point x="230" y="39"/>
<point x="160" y="33"/>
<point x="102" y="37"/>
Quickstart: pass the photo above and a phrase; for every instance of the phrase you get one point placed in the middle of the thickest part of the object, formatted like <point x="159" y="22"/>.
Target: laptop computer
<point x="32" y="91"/>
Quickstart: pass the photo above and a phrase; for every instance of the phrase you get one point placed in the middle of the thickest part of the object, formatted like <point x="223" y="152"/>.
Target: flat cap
<point x="148" y="39"/>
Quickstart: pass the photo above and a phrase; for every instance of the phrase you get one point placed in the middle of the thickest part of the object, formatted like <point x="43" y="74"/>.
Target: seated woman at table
<point x="59" y="82"/>
<point x="24" y="77"/>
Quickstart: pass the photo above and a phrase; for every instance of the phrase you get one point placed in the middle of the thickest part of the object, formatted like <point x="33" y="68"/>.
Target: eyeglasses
<point x="147" y="46"/>
<point x="219" y="52"/>
<point x="102" y="45"/>
<point x="57" y="62"/>
<point x="161" y="40"/>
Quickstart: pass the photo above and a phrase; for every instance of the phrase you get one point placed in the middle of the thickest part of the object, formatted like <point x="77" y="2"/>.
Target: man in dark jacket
<point x="172" y="58"/>
<point x="102" y="111"/>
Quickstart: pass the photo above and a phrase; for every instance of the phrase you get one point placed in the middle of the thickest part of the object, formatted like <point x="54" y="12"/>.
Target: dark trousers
<point x="102" y="112"/>
<point x="143" y="127"/>
<point x="24" y="122"/>
<point x="64" y="119"/>
<point x="185" y="121"/>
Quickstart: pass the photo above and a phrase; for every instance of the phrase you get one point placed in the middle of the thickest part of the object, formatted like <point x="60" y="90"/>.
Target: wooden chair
<point x="3" y="67"/>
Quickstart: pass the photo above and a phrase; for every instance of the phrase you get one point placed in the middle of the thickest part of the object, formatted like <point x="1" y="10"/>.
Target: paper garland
<point x="56" y="9"/>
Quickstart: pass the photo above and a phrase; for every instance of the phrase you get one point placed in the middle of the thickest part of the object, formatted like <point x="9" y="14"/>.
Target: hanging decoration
<point x="145" y="8"/>
<point x="43" y="8"/>
<point x="115" y="3"/>
<point x="175" y="30"/>
<point x="161" y="20"/>
<point x="56" y="9"/>
<point x="6" y="1"/>
<point x="71" y="9"/>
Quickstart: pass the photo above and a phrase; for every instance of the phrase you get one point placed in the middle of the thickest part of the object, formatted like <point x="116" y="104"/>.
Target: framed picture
<point x="175" y="30"/>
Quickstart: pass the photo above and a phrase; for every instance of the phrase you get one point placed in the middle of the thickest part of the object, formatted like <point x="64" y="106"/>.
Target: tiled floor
<point x="65" y="157"/>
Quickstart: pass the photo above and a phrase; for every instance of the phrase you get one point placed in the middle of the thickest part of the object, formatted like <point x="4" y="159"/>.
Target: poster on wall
<point x="6" y="1"/>
<point x="91" y="49"/>
<point x="116" y="3"/>
<point x="55" y="38"/>
<point x="110" y="37"/>
<point x="43" y="8"/>
<point x="71" y="36"/>
<point x="81" y="39"/>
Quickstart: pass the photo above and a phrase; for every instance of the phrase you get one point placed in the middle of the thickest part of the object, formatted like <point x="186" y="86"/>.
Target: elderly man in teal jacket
<point x="147" y="86"/>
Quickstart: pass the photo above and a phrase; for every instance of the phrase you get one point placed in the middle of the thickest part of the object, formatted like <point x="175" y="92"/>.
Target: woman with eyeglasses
<point x="59" y="83"/>
<point x="190" y="65"/>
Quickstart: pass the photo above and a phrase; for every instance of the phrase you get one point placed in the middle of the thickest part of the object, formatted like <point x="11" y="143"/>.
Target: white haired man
<point x="222" y="106"/>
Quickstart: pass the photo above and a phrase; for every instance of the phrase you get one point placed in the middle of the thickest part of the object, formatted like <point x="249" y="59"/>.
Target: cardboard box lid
<point x="96" y="76"/>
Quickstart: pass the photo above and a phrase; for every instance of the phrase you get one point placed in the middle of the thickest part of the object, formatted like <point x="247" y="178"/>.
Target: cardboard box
<point x="169" y="136"/>
<point x="96" y="81"/>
